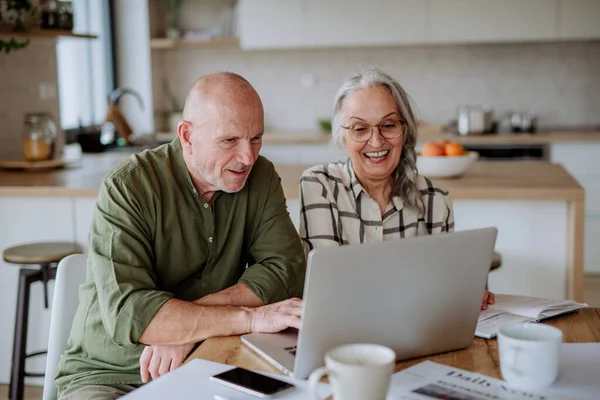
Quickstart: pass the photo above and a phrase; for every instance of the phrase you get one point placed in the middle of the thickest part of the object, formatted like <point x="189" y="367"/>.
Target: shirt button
<point x="205" y="205"/>
<point x="210" y="239"/>
<point x="195" y="191"/>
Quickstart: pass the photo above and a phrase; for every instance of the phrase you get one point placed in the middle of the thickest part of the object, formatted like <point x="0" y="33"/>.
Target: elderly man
<point x="189" y="241"/>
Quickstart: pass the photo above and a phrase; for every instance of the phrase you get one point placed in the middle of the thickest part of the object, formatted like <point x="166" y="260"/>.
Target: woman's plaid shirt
<point x="336" y="210"/>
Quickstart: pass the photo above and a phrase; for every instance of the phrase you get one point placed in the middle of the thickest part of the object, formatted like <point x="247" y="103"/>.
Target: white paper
<point x="421" y="381"/>
<point x="191" y="381"/>
<point x="488" y="327"/>
<point x="533" y="307"/>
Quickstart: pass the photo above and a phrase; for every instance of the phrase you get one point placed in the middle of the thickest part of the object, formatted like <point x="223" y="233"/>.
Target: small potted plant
<point x="19" y="15"/>
<point x="172" y="12"/>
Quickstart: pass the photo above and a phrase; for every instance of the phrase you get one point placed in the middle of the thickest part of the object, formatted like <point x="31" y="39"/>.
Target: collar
<point x="357" y="188"/>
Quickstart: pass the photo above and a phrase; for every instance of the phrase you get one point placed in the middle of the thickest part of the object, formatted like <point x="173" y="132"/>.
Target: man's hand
<point x="488" y="298"/>
<point x="158" y="360"/>
<point x="277" y="316"/>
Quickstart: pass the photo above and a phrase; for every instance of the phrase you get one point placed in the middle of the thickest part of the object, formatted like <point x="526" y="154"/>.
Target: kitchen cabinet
<point x="275" y="24"/>
<point x="303" y="154"/>
<point x="364" y="23"/>
<point x="465" y="21"/>
<point x="591" y="184"/>
<point x="579" y="19"/>
<point x="26" y="220"/>
<point x="582" y="160"/>
<point x="592" y="238"/>
<point x="272" y="24"/>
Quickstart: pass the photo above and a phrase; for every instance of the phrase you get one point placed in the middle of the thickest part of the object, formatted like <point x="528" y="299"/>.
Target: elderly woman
<point x="377" y="193"/>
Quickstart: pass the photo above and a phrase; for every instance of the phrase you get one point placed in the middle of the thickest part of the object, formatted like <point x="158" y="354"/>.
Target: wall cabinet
<point x="364" y="23"/>
<point x="579" y="19"/>
<point x="272" y="24"/>
<point x="470" y="21"/>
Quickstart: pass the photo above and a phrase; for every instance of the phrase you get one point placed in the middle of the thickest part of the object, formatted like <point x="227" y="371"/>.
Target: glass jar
<point x="39" y="136"/>
<point x="65" y="15"/>
<point x="50" y="14"/>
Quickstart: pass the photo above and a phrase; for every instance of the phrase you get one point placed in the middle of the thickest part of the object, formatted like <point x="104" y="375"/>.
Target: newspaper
<point x="429" y="380"/>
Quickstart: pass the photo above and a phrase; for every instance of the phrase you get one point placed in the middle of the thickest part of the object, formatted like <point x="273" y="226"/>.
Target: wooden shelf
<point x="163" y="43"/>
<point x="43" y="34"/>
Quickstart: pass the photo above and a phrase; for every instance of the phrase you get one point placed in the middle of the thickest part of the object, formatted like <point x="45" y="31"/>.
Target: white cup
<point x="529" y="354"/>
<point x="356" y="372"/>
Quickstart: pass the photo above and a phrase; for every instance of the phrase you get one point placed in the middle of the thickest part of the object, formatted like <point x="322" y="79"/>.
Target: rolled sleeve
<point x="121" y="262"/>
<point x="278" y="273"/>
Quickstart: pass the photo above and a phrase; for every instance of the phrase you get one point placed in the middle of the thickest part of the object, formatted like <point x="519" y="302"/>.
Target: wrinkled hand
<point x="277" y="316"/>
<point x="488" y="298"/>
<point x="156" y="361"/>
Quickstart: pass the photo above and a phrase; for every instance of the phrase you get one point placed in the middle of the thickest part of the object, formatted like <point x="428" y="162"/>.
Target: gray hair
<point x="405" y="177"/>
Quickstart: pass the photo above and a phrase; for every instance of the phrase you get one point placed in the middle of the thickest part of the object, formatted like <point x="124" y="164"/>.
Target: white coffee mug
<point x="356" y="372"/>
<point x="529" y="354"/>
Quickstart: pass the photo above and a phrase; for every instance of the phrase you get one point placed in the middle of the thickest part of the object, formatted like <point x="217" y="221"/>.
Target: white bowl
<point x="446" y="166"/>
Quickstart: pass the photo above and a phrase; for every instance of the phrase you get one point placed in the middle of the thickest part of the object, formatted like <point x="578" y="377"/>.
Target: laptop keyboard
<point x="291" y="350"/>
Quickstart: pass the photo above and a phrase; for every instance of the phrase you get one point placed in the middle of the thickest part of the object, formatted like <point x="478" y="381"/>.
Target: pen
<point x="218" y="397"/>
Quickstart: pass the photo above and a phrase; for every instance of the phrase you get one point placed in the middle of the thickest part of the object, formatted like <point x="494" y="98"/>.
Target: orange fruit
<point x="453" y="149"/>
<point x="431" y="149"/>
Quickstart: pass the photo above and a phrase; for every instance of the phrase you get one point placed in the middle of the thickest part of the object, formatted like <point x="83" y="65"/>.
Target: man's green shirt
<point x="153" y="237"/>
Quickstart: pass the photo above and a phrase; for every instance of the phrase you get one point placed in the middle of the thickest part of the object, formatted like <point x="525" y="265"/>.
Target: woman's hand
<point x="158" y="360"/>
<point x="488" y="298"/>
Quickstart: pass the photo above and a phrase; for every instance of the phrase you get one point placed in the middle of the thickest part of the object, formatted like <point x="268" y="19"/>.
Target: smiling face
<point x="227" y="146"/>
<point x="222" y="144"/>
<point x="376" y="159"/>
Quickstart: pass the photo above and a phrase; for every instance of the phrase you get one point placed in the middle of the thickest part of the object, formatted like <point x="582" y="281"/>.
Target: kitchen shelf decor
<point x="165" y="44"/>
<point x="44" y="34"/>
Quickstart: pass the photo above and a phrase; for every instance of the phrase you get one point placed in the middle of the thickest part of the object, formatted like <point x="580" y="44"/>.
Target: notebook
<point x="513" y="309"/>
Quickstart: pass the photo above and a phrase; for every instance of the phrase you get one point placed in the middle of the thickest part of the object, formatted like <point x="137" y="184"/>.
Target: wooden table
<point x="579" y="327"/>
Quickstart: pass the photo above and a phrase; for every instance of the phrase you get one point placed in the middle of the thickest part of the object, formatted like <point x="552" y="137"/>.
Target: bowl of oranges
<point x="444" y="159"/>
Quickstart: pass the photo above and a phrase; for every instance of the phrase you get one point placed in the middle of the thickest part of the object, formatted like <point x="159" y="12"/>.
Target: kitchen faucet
<point x="114" y="115"/>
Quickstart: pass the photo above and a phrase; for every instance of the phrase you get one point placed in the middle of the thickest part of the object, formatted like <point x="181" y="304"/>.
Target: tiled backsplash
<point x="558" y="81"/>
<point x="21" y="73"/>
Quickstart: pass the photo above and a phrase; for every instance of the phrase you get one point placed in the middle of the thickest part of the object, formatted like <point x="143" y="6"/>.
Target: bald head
<point x="221" y="132"/>
<point x="218" y="92"/>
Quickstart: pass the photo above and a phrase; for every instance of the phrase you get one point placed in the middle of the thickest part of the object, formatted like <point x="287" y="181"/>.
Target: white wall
<point x="559" y="81"/>
<point x="132" y="53"/>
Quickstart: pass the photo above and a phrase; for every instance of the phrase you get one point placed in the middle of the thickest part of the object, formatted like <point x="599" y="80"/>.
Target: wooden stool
<point x="46" y="255"/>
<point x="496" y="261"/>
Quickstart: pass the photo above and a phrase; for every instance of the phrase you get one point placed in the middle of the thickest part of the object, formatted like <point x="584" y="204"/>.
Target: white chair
<point x="70" y="274"/>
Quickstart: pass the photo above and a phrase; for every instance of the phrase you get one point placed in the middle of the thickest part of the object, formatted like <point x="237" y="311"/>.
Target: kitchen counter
<point x="425" y="135"/>
<point x="81" y="179"/>
<point x="485" y="180"/>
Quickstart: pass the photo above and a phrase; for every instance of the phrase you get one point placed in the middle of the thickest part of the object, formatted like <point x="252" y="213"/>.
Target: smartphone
<point x="252" y="382"/>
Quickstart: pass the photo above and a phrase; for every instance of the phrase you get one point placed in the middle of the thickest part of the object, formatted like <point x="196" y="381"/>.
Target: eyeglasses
<point x="389" y="129"/>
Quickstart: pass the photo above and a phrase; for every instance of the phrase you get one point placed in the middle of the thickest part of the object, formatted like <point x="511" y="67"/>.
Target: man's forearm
<point x="236" y="295"/>
<point x="180" y="322"/>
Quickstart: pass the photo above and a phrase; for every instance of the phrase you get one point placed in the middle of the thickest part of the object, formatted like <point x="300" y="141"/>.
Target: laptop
<point x="418" y="296"/>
